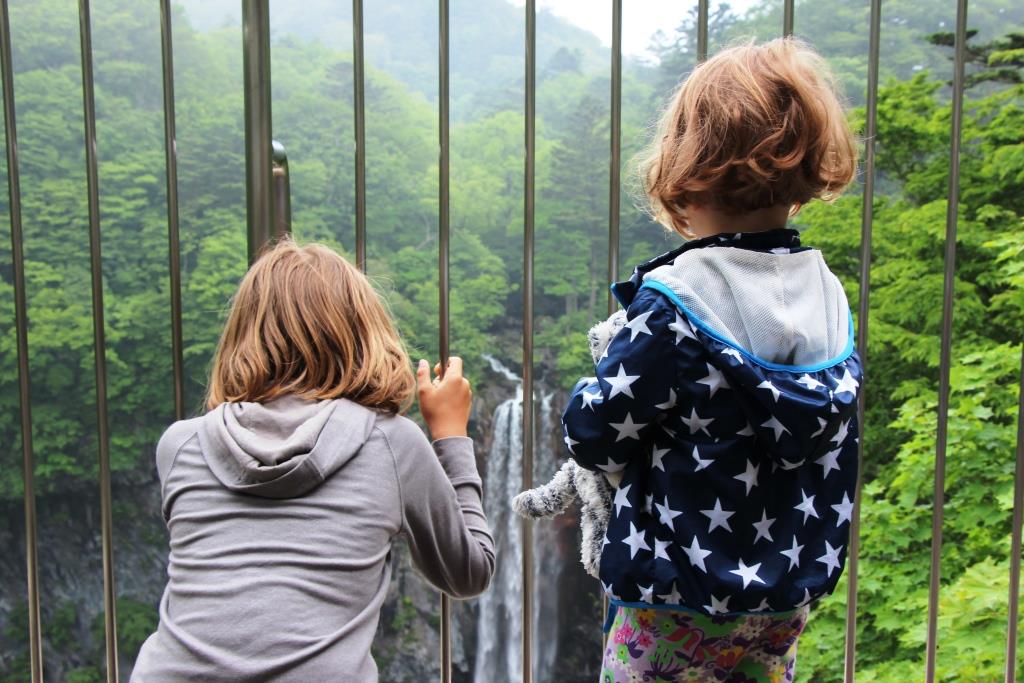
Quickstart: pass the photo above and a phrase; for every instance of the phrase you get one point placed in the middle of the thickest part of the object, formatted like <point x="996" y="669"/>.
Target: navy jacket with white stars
<point x="728" y="403"/>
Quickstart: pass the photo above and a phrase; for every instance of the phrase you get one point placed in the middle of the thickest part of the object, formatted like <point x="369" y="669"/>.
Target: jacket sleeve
<point x="442" y="513"/>
<point x="610" y="417"/>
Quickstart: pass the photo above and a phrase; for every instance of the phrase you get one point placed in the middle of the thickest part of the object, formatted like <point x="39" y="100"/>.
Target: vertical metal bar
<point x="359" y="105"/>
<point x="702" y="30"/>
<point x="952" y="201"/>
<point x="442" y="273"/>
<point x="21" y="333"/>
<point x="99" y="341"/>
<point x="282" y="191"/>
<point x="529" y="177"/>
<point x="866" y="224"/>
<point x="614" y="190"/>
<point x="259" y="180"/>
<point x="173" y="241"/>
<point x="787" y="17"/>
<point x="1015" y="543"/>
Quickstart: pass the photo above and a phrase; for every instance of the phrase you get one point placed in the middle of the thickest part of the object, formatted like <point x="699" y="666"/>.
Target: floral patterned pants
<point x="656" y="645"/>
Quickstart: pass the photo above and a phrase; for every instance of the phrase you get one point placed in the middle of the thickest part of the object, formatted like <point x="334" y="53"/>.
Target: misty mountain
<point x="487" y="40"/>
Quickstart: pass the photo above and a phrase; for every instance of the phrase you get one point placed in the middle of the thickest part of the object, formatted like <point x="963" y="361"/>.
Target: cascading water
<point x="499" y="617"/>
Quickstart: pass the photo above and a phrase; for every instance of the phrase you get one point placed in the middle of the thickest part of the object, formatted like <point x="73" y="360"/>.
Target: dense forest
<point x="312" y="88"/>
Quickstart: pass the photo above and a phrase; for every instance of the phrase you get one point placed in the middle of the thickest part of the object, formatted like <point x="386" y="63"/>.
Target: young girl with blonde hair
<point x="725" y="405"/>
<point x="283" y="500"/>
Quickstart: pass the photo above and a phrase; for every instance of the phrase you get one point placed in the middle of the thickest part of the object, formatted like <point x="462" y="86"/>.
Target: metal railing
<point x="269" y="214"/>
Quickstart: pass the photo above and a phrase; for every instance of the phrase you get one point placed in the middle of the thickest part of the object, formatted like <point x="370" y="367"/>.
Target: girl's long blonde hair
<point x="306" y="322"/>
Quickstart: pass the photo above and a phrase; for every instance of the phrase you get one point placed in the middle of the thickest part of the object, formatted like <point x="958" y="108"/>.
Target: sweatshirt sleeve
<point x="442" y="513"/>
<point x="610" y="416"/>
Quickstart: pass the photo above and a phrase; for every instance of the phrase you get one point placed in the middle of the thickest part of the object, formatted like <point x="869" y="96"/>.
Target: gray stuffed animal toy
<point x="595" y="491"/>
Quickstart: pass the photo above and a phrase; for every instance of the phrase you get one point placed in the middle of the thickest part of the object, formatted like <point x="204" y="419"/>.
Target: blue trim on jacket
<point x="659" y="286"/>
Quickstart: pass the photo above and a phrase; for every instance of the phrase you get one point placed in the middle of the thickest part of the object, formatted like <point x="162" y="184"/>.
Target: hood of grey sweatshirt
<point x="284" y="448"/>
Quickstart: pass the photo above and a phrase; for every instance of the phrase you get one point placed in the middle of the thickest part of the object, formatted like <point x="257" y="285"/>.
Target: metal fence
<point x="269" y="215"/>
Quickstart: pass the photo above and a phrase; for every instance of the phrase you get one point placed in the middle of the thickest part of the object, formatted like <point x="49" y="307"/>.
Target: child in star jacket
<point x="728" y="401"/>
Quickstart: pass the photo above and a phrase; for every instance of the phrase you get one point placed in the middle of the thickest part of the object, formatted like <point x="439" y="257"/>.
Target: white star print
<point x="810" y="382"/>
<point x="776" y="427"/>
<point x="589" y="397"/>
<point x="621" y="501"/>
<point x="793" y="554"/>
<point x="748" y="574"/>
<point x="829" y="462"/>
<point x="822" y="423"/>
<point x="746" y="431"/>
<point x="847" y="384"/>
<point x="749" y="476"/>
<point x="844" y="509"/>
<point x="696" y="423"/>
<point x="670" y="403"/>
<point x="714" y="381"/>
<point x="648" y="500"/>
<point x="718" y="517"/>
<point x="666" y="514"/>
<point x="620" y="383"/>
<point x="729" y="351"/>
<point x="763" y="527"/>
<point x="841" y="433"/>
<point x="682" y="328"/>
<point x="635" y="541"/>
<point x="604" y="542"/>
<point x="696" y="555"/>
<point x="807" y="598"/>
<point x="638" y="325"/>
<point x="831" y="557"/>
<point x="646" y="594"/>
<point x="701" y="462"/>
<point x="806" y="506"/>
<point x="608" y="591"/>
<point x="718" y="606"/>
<point x="570" y="442"/>
<point x="770" y="387"/>
<point x="787" y="465"/>
<point x="673" y="598"/>
<point x="659" y="549"/>
<point x="763" y="606"/>
<point x="627" y="429"/>
<point x="657" y="458"/>
<point x="612" y="466"/>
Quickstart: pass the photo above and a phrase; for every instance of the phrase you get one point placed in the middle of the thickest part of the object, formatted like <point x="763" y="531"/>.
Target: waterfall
<point x="499" y="618"/>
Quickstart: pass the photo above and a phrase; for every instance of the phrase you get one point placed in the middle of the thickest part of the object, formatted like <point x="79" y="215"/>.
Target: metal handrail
<point x="282" y="191"/>
<point x="35" y="638"/>
<point x="259" y="171"/>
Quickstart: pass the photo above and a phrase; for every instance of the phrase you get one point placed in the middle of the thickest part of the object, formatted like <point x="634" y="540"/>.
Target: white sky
<point x="640" y="18"/>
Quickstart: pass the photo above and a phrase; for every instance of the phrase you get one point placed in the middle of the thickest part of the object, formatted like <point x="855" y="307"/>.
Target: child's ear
<point x="681" y="224"/>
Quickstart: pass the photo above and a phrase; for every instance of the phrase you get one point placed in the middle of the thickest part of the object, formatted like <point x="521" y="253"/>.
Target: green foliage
<point x="903" y="359"/>
<point x="313" y="117"/>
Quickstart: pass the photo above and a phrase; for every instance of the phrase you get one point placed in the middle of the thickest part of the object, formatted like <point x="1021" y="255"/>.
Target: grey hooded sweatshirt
<point x="281" y="519"/>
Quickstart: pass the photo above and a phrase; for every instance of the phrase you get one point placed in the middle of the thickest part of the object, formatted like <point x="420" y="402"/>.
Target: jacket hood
<point x="778" y="326"/>
<point x="282" y="448"/>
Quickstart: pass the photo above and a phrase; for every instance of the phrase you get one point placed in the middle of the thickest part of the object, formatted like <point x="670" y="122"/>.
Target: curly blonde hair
<point x="753" y="127"/>
<point x="306" y="322"/>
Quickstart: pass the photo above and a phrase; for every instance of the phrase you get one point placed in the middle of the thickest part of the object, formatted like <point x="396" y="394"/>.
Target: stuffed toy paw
<point x="569" y="483"/>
